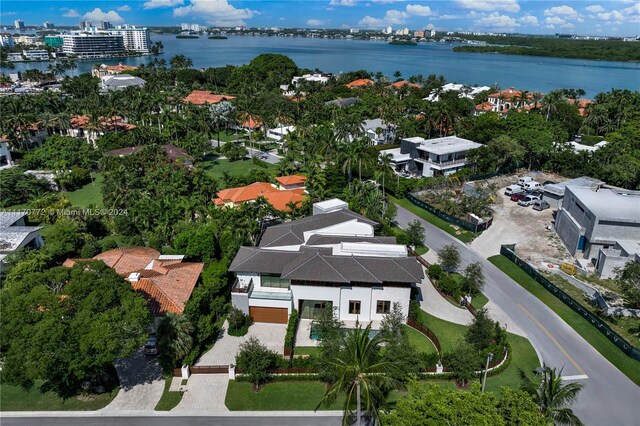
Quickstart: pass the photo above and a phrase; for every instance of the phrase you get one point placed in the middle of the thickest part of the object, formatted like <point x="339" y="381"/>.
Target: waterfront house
<point x="506" y="100"/>
<point x="108" y="70"/>
<point x="321" y="78"/>
<point x="360" y="83"/>
<point x="464" y="91"/>
<point x="405" y="83"/>
<point x="332" y="259"/>
<point x="165" y="281"/>
<point x="431" y="157"/>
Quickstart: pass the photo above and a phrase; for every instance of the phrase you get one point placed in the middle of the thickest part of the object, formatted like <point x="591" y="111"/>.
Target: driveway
<point x="141" y="383"/>
<point x="609" y="397"/>
<point x="226" y="347"/>
<point x="204" y="392"/>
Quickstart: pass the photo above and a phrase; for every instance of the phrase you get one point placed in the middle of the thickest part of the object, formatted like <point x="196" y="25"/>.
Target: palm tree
<point x="552" y="396"/>
<point x="360" y="374"/>
<point x="385" y="161"/>
<point x="175" y="336"/>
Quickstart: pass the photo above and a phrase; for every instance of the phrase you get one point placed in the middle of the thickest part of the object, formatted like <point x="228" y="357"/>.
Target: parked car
<point x="528" y="200"/>
<point x="533" y="185"/>
<point x="519" y="196"/>
<point x="512" y="190"/>
<point x="151" y="347"/>
<point x="540" y="205"/>
<point x="524" y="179"/>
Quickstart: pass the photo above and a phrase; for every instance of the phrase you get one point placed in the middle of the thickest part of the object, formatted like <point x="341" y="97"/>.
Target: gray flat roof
<point x="445" y="145"/>
<point x="584" y="181"/>
<point x="609" y="203"/>
<point x="292" y="233"/>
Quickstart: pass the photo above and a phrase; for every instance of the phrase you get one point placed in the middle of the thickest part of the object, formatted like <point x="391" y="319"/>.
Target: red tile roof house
<point x="360" y="83"/>
<point x="204" y="97"/>
<point x="175" y="154"/>
<point x="165" y="281"/>
<point x="81" y="127"/>
<point x="279" y="197"/>
<point x="505" y="100"/>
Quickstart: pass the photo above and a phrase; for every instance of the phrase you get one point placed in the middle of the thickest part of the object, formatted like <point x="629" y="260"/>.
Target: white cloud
<point x="595" y="8"/>
<point x="347" y="3"/>
<point x="392" y="17"/>
<point x="71" y="13"/>
<point x="98" y="15"/>
<point x="216" y="12"/>
<point x="613" y="16"/>
<point x="490" y="5"/>
<point x="125" y="8"/>
<point x="155" y="4"/>
<point x="314" y="22"/>
<point x="418" y="10"/>
<point x="529" y="20"/>
<point x="389" y="1"/>
<point x="554" y="20"/>
<point x="497" y="21"/>
<point x="564" y="11"/>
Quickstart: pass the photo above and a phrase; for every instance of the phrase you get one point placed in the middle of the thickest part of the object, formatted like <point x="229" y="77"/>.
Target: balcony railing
<point x="239" y="288"/>
<point x="444" y="163"/>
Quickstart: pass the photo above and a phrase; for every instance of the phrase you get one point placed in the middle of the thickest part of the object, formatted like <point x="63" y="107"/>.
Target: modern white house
<point x="431" y="157"/>
<point x="600" y="226"/>
<point x="331" y="260"/>
<point x="14" y="234"/>
<point x="278" y="133"/>
<point x="465" y="91"/>
<point x="321" y="78"/>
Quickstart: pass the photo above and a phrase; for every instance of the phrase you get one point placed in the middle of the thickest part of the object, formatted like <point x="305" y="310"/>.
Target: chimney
<point x="134" y="277"/>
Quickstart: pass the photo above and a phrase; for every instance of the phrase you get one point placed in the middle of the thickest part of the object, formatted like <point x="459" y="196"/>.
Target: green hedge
<point x="292" y="326"/>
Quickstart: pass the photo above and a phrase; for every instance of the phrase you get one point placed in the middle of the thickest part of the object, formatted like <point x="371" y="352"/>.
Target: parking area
<point x="531" y="230"/>
<point x="226" y="347"/>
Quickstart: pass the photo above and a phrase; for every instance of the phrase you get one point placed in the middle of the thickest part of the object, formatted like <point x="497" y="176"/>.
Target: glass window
<point x="354" y="307"/>
<point x="383" y="307"/>
<point x="274" y="282"/>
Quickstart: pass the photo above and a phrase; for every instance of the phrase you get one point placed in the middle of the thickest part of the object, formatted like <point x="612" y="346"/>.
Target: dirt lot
<point x="523" y="226"/>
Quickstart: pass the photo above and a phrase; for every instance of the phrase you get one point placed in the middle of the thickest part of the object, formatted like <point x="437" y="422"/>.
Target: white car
<point x="528" y="200"/>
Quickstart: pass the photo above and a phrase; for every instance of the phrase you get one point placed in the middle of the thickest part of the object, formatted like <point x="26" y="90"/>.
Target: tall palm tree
<point x="552" y="396"/>
<point x="385" y="161"/>
<point x="360" y="374"/>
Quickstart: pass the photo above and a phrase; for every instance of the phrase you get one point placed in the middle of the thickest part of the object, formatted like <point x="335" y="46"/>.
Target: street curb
<point x="190" y="413"/>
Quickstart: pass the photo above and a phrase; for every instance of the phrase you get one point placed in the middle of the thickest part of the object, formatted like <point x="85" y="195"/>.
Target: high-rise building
<point x="93" y="45"/>
<point x="136" y="39"/>
<point x="104" y="25"/>
<point x="53" y="41"/>
<point x="185" y="27"/>
<point x="389" y="30"/>
<point x="6" y="40"/>
<point x="85" y="25"/>
<point x="48" y="25"/>
<point x="19" y="23"/>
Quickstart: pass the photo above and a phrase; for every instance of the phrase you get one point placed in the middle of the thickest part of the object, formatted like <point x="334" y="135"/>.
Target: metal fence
<point x="508" y="251"/>
<point x="447" y="217"/>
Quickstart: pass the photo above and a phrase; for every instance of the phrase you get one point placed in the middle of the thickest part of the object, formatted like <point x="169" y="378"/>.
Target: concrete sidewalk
<point x="433" y="303"/>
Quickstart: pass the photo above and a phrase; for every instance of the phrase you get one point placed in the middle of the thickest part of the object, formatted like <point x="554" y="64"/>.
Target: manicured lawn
<point x="215" y="168"/>
<point x="421" y="250"/>
<point x="285" y="396"/>
<point x="610" y="351"/>
<point x="448" y="333"/>
<point x="169" y="399"/>
<point x="461" y="234"/>
<point x="88" y="194"/>
<point x="419" y="341"/>
<point x="226" y="137"/>
<point x="306" y="350"/>
<point x="14" y="398"/>
<point x="479" y="300"/>
<point x="523" y="356"/>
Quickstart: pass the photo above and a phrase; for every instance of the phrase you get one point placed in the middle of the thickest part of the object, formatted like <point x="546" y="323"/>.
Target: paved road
<point x="609" y="397"/>
<point x="266" y="156"/>
<point x="173" y="421"/>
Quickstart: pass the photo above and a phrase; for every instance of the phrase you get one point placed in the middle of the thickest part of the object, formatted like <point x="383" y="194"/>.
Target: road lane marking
<point x="578" y="377"/>
<point x="553" y="339"/>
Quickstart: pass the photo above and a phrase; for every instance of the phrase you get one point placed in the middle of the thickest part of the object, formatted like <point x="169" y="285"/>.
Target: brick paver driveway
<point x="141" y="383"/>
<point x="226" y="347"/>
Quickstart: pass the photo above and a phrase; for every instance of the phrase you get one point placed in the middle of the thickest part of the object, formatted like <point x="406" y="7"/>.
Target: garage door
<point x="275" y="315"/>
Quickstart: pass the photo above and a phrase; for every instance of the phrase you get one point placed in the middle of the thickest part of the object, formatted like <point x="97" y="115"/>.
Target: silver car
<point x="528" y="200"/>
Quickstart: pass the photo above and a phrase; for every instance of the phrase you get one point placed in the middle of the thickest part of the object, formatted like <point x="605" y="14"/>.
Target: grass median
<point x="629" y="366"/>
<point x="461" y="234"/>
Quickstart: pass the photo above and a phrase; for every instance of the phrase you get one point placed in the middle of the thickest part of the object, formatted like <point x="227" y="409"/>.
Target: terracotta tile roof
<point x="166" y="284"/>
<point x="112" y="123"/>
<point x="582" y="104"/>
<point x="120" y="68"/>
<point x="485" y="106"/>
<point x="245" y="193"/>
<point x="251" y="122"/>
<point x="362" y="82"/>
<point x="400" y="84"/>
<point x="204" y="97"/>
<point x="291" y="180"/>
<point x="509" y="94"/>
<point x="280" y="199"/>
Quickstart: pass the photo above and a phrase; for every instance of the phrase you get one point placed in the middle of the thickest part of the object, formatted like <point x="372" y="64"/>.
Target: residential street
<point x="609" y="397"/>
<point x="168" y="420"/>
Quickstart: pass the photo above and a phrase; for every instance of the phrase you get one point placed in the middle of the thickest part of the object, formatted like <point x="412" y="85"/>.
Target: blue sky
<point x="612" y="17"/>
